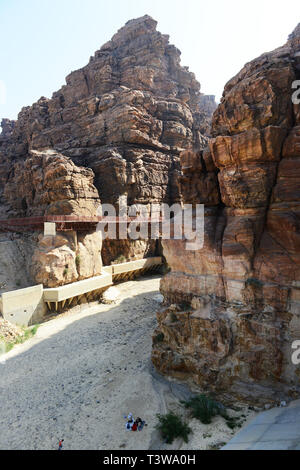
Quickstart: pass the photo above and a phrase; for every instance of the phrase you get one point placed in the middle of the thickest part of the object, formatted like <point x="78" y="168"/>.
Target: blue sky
<point x="42" y="41"/>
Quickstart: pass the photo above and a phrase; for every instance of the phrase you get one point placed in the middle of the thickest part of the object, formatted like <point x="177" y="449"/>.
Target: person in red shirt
<point x="134" y="426"/>
<point x="60" y="444"/>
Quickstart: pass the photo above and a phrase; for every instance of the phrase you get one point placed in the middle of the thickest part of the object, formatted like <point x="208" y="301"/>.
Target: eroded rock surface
<point x="46" y="183"/>
<point x="236" y="302"/>
<point x="49" y="183"/>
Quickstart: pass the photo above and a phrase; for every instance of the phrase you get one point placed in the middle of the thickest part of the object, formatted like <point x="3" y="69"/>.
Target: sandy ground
<point x="85" y="370"/>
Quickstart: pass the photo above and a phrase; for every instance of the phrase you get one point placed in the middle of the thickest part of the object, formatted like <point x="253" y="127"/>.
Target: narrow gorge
<point x="133" y="123"/>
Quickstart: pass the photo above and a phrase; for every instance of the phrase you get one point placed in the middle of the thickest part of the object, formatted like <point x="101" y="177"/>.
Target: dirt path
<point x="82" y="372"/>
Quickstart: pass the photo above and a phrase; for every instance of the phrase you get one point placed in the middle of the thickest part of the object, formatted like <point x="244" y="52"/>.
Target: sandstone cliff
<point x="126" y="115"/>
<point x="48" y="183"/>
<point x="236" y="302"/>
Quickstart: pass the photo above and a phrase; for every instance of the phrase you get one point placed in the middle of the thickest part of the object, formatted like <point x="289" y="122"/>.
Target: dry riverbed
<point x="84" y="370"/>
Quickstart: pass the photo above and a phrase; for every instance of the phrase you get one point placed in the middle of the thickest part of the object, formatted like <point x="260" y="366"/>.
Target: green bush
<point x="204" y="408"/>
<point x="233" y="423"/>
<point x="217" y="445"/>
<point x="77" y="261"/>
<point x="27" y="334"/>
<point x="171" y="426"/>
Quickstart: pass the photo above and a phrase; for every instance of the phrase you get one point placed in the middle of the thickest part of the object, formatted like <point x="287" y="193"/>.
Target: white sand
<point x="83" y="371"/>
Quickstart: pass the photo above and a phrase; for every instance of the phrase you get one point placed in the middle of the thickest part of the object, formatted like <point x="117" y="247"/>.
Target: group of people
<point x="131" y="425"/>
<point x="134" y="425"/>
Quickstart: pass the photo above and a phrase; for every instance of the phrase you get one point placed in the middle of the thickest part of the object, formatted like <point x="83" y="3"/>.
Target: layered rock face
<point x="236" y="302"/>
<point x="126" y="115"/>
<point x="48" y="183"/>
<point x="53" y="184"/>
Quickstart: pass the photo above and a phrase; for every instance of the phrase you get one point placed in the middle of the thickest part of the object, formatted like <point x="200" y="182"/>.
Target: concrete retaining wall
<point x="28" y="306"/>
<point x="57" y="294"/>
<point x="145" y="263"/>
<point x="123" y="271"/>
<point x="23" y="306"/>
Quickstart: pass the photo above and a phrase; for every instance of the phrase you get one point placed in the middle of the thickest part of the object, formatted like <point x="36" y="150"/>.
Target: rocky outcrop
<point x="52" y="184"/>
<point x="208" y="106"/>
<point x="49" y="183"/>
<point x="126" y="115"/>
<point x="16" y="251"/>
<point x="8" y="333"/>
<point x="66" y="257"/>
<point x="236" y="302"/>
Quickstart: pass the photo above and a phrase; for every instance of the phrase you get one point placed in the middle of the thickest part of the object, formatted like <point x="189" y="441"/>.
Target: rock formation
<point x="126" y="115"/>
<point x="232" y="308"/>
<point x="48" y="183"/>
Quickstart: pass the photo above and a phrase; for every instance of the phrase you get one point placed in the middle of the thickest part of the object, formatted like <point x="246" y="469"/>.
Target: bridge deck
<point x="65" y="222"/>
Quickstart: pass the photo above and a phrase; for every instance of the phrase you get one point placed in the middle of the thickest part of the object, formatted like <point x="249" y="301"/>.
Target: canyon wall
<point x="48" y="183"/>
<point x="232" y="308"/>
<point x="126" y="115"/>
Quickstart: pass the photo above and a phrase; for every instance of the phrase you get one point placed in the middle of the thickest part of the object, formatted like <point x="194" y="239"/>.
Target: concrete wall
<point x="23" y="307"/>
<point x="145" y="263"/>
<point x="28" y="306"/>
<point x="57" y="294"/>
<point x="130" y="266"/>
